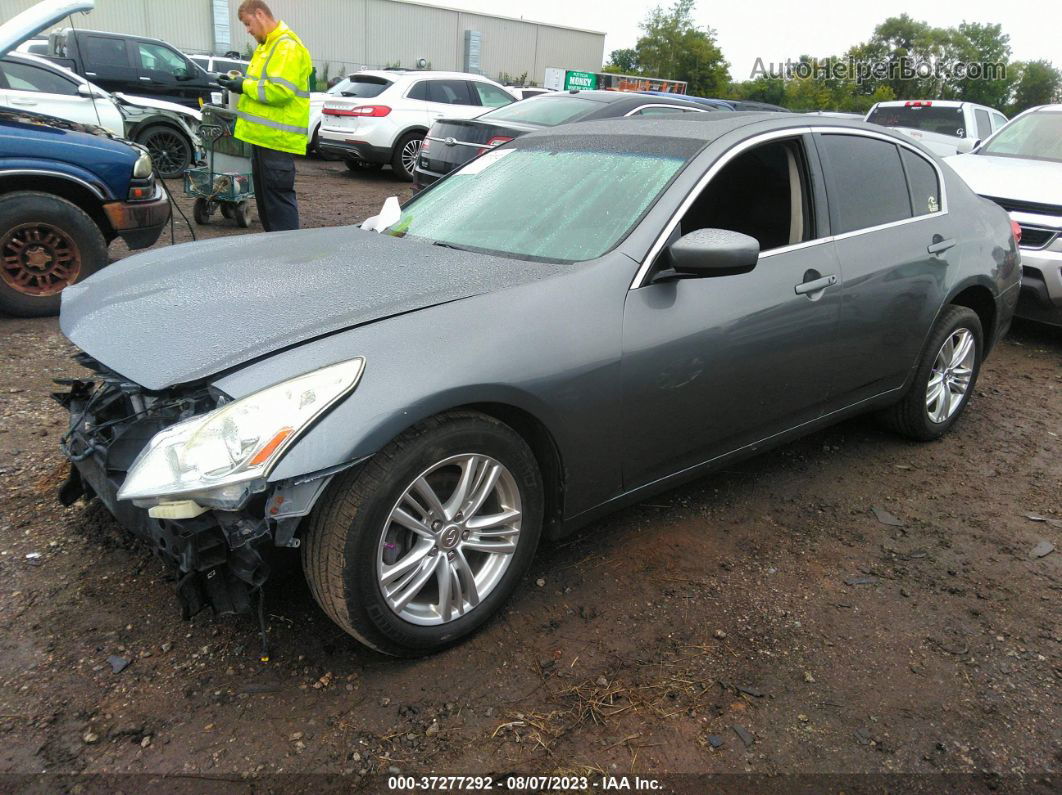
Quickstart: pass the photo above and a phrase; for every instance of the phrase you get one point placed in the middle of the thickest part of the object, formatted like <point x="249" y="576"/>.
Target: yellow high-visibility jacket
<point x="274" y="109"/>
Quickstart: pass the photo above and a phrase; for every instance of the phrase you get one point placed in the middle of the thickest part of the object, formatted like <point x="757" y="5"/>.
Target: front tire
<point x="419" y="547"/>
<point x="170" y="150"/>
<point x="945" y="379"/>
<point x="46" y="243"/>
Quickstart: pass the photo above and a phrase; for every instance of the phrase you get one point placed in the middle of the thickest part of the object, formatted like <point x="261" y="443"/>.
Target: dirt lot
<point x="851" y="603"/>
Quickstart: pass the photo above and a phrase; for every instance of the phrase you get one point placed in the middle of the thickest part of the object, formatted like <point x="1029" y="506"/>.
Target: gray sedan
<point x="574" y="321"/>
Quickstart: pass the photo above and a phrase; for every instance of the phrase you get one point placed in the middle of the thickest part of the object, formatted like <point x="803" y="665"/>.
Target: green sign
<point x="580" y="80"/>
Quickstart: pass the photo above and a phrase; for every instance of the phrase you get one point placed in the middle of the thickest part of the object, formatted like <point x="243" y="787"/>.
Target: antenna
<point x="92" y="89"/>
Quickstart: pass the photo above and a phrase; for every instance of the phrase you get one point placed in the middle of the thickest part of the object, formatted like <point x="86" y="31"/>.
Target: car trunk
<point x="456" y="141"/>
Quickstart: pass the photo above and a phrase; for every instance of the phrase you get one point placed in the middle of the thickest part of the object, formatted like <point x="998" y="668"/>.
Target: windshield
<point x="945" y="121"/>
<point x="547" y="111"/>
<point x="1037" y="136"/>
<point x="538" y="204"/>
<point x="362" y="86"/>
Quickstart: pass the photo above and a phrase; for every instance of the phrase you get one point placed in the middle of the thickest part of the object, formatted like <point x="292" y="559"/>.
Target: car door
<point x="107" y="63"/>
<point x="453" y="99"/>
<point x="893" y="237"/>
<point x="45" y="91"/>
<point x="163" y="73"/>
<point x="711" y="365"/>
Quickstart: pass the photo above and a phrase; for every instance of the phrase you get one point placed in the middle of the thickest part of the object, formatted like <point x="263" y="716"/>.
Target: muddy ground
<point x="764" y="619"/>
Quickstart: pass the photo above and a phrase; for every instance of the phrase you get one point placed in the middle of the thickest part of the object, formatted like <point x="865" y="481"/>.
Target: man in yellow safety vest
<point x="273" y="112"/>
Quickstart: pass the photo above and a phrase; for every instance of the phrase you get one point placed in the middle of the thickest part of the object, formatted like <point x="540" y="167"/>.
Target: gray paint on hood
<point x="179" y="314"/>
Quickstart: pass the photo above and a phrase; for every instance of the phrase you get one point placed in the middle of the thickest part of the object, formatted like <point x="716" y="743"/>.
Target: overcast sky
<point x="775" y="30"/>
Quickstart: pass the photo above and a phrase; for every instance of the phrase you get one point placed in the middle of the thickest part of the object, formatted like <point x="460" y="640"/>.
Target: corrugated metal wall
<point x="351" y="34"/>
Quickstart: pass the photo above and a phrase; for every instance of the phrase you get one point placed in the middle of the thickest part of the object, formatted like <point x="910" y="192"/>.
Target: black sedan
<point x="450" y="143"/>
<point x="572" y="322"/>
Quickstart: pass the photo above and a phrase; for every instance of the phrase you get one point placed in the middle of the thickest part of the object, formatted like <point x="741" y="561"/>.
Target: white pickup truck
<point x="946" y="127"/>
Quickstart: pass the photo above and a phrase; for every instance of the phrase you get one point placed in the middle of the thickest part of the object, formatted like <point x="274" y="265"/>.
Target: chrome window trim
<point x="444" y="142"/>
<point x="681" y="108"/>
<point x="789" y="132"/>
<point x="42" y="173"/>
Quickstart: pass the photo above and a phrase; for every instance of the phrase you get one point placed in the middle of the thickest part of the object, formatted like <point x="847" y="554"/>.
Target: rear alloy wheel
<point x="405" y="156"/>
<point x="170" y="150"/>
<point x="945" y="377"/>
<point x="421" y="546"/>
<point x="46" y="243"/>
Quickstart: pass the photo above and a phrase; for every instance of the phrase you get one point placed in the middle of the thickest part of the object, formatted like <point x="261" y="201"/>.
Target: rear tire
<point x="404" y="159"/>
<point x="919" y="415"/>
<point x="352" y="531"/>
<point x="171" y="151"/>
<point x="46" y="243"/>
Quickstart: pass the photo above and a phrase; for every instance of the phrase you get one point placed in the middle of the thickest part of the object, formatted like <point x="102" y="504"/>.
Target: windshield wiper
<point x="454" y="246"/>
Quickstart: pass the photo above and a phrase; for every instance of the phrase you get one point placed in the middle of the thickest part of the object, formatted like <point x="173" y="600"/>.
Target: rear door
<point x="452" y="99"/>
<point x="894" y="240"/>
<point x="107" y="63"/>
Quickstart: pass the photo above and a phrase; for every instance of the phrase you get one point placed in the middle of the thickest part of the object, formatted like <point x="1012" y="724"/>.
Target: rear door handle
<point x="939" y="245"/>
<point x="815" y="285"/>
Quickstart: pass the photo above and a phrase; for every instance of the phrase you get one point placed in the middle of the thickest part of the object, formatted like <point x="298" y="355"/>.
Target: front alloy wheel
<point x="449" y="539"/>
<point x="420" y="545"/>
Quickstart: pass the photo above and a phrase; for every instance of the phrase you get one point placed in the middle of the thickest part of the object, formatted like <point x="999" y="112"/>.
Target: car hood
<point x="36" y="18"/>
<point x="185" y="313"/>
<point x="159" y="104"/>
<point x="1038" y="181"/>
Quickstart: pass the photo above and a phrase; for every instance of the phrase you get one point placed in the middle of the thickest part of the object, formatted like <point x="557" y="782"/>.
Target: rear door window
<point x="865" y="182"/>
<point x="450" y="92"/>
<point x="984" y="124"/>
<point x="27" y="77"/>
<point x="104" y="51"/>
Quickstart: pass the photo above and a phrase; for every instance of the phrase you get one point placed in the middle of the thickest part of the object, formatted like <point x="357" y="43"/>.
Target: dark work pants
<point x="274" y="189"/>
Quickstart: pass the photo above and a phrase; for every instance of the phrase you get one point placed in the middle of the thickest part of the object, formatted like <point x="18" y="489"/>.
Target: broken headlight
<point x="213" y="457"/>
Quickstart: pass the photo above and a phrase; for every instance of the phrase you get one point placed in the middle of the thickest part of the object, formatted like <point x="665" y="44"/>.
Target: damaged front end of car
<point x="186" y="469"/>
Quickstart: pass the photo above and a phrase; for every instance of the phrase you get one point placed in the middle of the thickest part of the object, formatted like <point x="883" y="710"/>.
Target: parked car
<point x="450" y="143"/>
<point x="947" y="127"/>
<point x="726" y="104"/>
<point x="220" y="64"/>
<point x="166" y="129"/>
<point x="835" y="114"/>
<point x="526" y="92"/>
<point x="1020" y="169"/>
<point x="134" y="65"/>
<point x="317" y="101"/>
<point x="382" y="116"/>
<point x="585" y="316"/>
<point x="38" y="45"/>
<point x="66" y="191"/>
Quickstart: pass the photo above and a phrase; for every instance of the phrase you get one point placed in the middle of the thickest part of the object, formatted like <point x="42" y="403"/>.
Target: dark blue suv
<point x="66" y="191"/>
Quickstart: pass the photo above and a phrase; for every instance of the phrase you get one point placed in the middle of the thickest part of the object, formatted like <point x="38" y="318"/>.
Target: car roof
<point x="395" y="74"/>
<point x="704" y="127"/>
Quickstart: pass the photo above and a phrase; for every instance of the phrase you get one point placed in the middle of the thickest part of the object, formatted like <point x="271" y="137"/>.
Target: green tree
<point x="623" y="61"/>
<point x="1038" y="83"/>
<point x="989" y="47"/>
<point x="673" y="47"/>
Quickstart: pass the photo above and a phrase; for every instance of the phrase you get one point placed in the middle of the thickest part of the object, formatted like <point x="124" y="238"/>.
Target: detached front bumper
<point x="139" y="223"/>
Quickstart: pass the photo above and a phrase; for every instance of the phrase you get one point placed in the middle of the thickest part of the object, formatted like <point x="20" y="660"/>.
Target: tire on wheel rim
<point x="422" y="545"/>
<point x="170" y="150"/>
<point x="201" y="211"/>
<point x="242" y="213"/>
<point x="46" y="243"/>
<point x="945" y="378"/>
<point x="404" y="159"/>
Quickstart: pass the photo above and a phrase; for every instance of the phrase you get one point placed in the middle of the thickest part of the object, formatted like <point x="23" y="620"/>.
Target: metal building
<point x="350" y="34"/>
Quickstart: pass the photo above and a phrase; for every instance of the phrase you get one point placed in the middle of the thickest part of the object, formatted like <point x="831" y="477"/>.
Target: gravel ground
<point x="850" y="603"/>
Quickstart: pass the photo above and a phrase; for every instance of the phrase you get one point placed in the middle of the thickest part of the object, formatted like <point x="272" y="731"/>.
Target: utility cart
<point x="225" y="183"/>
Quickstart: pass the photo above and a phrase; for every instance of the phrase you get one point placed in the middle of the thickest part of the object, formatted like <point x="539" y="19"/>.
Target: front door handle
<point x="940" y="245"/>
<point x="815" y="285"/>
<point x="27" y="102"/>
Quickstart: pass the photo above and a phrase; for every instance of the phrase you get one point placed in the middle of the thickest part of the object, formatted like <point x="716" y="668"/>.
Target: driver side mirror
<point x="89" y="92"/>
<point x="967" y="145"/>
<point x="714" y="252"/>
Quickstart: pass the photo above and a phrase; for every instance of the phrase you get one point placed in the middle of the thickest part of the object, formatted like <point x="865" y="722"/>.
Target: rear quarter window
<point x="925" y="186"/>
